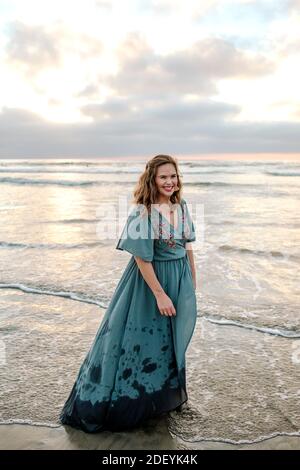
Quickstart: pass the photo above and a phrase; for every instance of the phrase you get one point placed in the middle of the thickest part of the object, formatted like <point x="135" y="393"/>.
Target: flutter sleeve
<point x="189" y="228"/>
<point x="137" y="236"/>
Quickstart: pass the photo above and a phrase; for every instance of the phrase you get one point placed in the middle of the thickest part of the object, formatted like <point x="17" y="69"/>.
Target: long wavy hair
<point x="146" y="191"/>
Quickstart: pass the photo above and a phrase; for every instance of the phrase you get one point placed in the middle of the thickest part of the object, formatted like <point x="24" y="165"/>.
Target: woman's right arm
<point x="164" y="302"/>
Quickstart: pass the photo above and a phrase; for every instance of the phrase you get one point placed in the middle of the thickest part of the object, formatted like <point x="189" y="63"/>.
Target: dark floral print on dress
<point x="166" y="236"/>
<point x="165" y="232"/>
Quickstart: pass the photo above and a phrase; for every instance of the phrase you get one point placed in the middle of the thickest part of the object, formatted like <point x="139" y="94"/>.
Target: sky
<point x="113" y="78"/>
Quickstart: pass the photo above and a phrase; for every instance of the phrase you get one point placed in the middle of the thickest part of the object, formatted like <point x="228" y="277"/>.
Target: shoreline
<point x="154" y="436"/>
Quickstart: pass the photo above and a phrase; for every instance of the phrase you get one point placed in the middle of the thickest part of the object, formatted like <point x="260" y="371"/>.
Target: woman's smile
<point x="168" y="188"/>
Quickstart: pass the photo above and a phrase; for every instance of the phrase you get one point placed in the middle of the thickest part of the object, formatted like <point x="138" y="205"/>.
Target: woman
<point x="135" y="368"/>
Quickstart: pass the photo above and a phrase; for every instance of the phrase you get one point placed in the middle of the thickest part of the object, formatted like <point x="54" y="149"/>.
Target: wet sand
<point x="155" y="436"/>
<point x="242" y="385"/>
<point x="152" y="436"/>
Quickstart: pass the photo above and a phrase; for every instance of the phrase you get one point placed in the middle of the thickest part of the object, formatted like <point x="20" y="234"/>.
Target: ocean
<point x="58" y="274"/>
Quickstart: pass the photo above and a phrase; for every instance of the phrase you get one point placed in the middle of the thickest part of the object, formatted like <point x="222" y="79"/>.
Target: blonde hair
<point x="146" y="191"/>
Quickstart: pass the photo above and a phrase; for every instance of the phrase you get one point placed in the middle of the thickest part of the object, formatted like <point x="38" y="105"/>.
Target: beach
<point x="58" y="274"/>
<point x="25" y="437"/>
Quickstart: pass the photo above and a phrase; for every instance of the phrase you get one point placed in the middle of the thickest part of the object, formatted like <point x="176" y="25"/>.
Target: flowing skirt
<point x="135" y="368"/>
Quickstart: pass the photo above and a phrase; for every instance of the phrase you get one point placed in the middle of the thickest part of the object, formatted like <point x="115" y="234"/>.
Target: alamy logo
<point x="112" y="218"/>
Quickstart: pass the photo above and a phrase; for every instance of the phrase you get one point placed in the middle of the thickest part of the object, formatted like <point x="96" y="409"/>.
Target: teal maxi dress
<point x="135" y="368"/>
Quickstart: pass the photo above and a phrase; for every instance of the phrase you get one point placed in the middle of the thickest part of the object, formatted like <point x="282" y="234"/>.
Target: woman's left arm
<point x="189" y="250"/>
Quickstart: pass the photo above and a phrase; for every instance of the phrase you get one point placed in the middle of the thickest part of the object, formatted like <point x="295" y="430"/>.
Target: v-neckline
<point x="171" y="225"/>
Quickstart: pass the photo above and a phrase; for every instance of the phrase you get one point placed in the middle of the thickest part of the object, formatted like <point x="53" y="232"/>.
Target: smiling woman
<point x="135" y="368"/>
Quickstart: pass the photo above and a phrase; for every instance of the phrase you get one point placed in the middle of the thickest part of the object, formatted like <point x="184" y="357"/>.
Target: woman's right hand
<point x="165" y="305"/>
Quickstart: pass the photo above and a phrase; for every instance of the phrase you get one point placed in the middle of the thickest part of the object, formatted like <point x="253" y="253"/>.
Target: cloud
<point x="202" y="129"/>
<point x="136" y="98"/>
<point x="174" y="116"/>
<point x="118" y="111"/>
<point x="189" y="71"/>
<point x="32" y="49"/>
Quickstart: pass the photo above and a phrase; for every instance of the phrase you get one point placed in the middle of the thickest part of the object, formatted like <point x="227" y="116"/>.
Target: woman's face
<point x="166" y="179"/>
